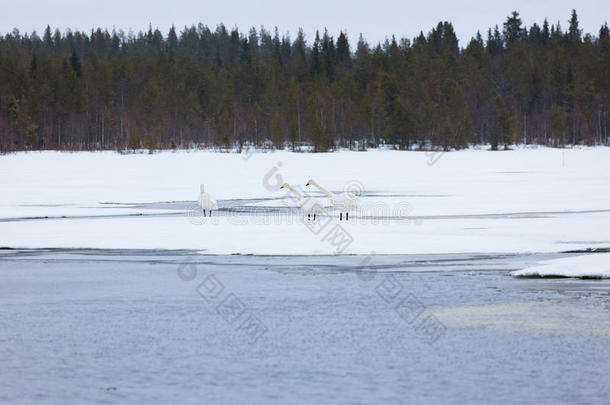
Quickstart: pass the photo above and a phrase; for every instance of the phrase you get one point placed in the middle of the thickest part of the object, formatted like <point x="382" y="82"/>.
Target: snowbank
<point x="593" y="265"/>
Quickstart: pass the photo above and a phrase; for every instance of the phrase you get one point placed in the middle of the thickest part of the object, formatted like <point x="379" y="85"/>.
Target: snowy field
<point x="527" y="200"/>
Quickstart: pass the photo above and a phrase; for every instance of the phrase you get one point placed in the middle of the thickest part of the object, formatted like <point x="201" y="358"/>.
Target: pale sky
<point x="375" y="19"/>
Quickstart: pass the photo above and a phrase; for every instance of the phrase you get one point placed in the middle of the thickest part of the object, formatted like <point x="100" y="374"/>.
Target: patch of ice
<point x="593" y="265"/>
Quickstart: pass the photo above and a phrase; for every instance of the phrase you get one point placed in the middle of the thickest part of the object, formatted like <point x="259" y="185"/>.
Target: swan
<point x="344" y="202"/>
<point x="206" y="201"/>
<point x="307" y="204"/>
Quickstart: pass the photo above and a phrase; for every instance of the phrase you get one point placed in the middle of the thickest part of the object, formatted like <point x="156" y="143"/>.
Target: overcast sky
<point x="375" y="19"/>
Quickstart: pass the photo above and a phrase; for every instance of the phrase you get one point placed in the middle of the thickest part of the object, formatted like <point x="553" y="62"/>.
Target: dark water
<point x="90" y="326"/>
<point x="286" y="206"/>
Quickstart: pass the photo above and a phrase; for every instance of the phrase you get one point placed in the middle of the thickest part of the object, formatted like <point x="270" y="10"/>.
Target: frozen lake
<point x="526" y="200"/>
<point x="114" y="289"/>
<point x="104" y="326"/>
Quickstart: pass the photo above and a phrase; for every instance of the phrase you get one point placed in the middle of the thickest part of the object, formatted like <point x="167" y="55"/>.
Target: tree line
<point x="225" y="88"/>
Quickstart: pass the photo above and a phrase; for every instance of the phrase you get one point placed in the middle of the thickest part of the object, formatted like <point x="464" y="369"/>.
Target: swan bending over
<point x="344" y="202"/>
<point x="206" y="201"/>
<point x="307" y="204"/>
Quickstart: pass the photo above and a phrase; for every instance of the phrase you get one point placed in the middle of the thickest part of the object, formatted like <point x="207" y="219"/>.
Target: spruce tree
<point x="343" y="52"/>
<point x="512" y="28"/>
<point x="574" y="33"/>
<point x="75" y="63"/>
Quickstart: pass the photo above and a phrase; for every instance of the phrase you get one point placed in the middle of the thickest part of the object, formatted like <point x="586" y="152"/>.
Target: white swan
<point x="206" y="201"/>
<point x="307" y="204"/>
<point x="344" y="202"/>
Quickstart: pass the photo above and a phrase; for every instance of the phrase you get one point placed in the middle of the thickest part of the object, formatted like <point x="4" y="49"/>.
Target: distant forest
<point x="200" y="88"/>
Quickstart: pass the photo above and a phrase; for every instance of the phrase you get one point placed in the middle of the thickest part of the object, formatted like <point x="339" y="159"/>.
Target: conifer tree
<point x="574" y="33"/>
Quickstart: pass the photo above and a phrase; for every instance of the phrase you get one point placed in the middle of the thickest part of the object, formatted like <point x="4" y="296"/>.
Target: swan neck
<point x="322" y="189"/>
<point x="289" y="187"/>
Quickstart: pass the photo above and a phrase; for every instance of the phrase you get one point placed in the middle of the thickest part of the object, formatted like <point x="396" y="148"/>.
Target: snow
<point x="526" y="200"/>
<point x="593" y="265"/>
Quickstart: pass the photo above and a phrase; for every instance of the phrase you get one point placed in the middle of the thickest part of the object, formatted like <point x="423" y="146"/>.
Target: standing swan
<point x="206" y="201"/>
<point x="307" y="204"/>
<point x="344" y="202"/>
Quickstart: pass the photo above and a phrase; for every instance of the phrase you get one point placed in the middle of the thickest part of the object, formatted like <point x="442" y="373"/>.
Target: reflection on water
<point x="538" y="316"/>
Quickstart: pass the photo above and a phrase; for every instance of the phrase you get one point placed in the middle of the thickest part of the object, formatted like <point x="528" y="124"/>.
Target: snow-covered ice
<point x="526" y="200"/>
<point x="593" y="265"/>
